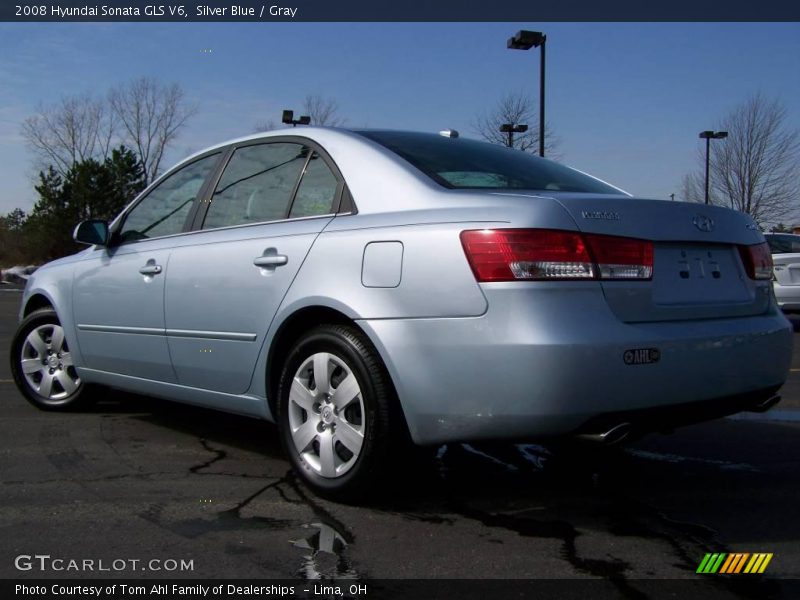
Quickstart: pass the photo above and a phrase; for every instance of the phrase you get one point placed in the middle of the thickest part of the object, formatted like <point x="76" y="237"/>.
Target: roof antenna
<point x="451" y="133"/>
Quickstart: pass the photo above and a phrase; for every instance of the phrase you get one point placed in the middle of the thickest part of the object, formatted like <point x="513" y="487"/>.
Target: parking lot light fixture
<point x="525" y="40"/>
<point x="511" y="129"/>
<point x="708" y="136"/>
<point x="288" y="118"/>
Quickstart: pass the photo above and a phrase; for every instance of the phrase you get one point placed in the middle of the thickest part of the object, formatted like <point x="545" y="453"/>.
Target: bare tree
<point x="756" y="170"/>
<point x="323" y="111"/>
<point x="75" y="129"/>
<point x="150" y="115"/>
<point x="692" y="187"/>
<point x="515" y="108"/>
<point x="143" y="114"/>
<point x="262" y="126"/>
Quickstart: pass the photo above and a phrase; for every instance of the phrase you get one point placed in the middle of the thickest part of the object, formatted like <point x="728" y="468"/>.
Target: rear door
<point x="224" y="288"/>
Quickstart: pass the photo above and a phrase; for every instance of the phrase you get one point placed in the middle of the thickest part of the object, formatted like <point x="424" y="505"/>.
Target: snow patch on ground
<point x="16" y="274"/>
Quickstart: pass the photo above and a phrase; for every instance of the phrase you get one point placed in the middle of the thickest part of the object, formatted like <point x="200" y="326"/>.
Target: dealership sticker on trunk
<point x="641" y="356"/>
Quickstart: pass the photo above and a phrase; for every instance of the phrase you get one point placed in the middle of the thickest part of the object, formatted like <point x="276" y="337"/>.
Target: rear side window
<point x="317" y="192"/>
<point x="257" y="185"/>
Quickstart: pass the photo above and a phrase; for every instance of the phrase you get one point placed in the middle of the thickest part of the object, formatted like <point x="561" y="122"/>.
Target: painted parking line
<point x="787" y="415"/>
<point x="677" y="458"/>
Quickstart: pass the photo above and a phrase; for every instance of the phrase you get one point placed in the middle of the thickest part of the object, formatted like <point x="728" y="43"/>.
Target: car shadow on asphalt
<point x="229" y="429"/>
<point x="703" y="454"/>
<point x="794" y="319"/>
<point x="675" y="491"/>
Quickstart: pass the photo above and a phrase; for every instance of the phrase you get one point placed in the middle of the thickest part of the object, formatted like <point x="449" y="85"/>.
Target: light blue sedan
<point x="370" y="289"/>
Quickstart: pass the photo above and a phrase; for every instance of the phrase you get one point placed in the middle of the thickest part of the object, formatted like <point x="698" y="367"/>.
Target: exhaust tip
<point x="765" y="405"/>
<point x="615" y="435"/>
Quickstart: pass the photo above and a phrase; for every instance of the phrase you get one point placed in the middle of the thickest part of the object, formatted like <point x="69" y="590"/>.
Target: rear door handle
<point x="270" y="261"/>
<point x="149" y="269"/>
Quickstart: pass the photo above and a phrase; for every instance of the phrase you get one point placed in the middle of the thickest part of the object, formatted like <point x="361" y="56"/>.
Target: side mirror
<point x="93" y="231"/>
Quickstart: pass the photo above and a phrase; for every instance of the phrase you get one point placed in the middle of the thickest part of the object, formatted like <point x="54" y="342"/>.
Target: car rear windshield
<point x="783" y="244"/>
<point x="464" y="164"/>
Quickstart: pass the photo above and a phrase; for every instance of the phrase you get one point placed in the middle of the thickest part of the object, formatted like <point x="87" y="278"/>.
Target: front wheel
<point x="41" y="363"/>
<point x="334" y="401"/>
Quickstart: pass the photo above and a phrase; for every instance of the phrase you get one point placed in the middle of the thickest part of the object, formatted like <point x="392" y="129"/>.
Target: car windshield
<point x="464" y="164"/>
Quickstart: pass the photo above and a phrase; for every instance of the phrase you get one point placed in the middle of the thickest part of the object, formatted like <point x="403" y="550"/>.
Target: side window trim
<point x="346" y="204"/>
<point x="297" y="183"/>
<point x="337" y="198"/>
<point x="120" y="220"/>
<point x="313" y="146"/>
<point x="198" y="214"/>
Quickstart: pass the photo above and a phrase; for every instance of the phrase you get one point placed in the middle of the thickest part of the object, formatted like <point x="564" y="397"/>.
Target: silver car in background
<point x="785" y="248"/>
<point x="366" y="289"/>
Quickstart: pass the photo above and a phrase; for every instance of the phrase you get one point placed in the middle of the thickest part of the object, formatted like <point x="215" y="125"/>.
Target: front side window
<point x="257" y="185"/>
<point x="317" y="191"/>
<point x="165" y="208"/>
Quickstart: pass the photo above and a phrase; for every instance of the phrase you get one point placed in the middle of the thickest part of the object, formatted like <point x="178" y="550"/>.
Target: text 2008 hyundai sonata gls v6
<point x="354" y="285"/>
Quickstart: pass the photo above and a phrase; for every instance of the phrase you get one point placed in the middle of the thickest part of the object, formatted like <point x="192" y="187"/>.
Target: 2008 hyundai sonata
<point x="362" y="287"/>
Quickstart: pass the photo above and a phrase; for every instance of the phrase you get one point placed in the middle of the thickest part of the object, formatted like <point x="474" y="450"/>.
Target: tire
<point x="41" y="364"/>
<point x="336" y="433"/>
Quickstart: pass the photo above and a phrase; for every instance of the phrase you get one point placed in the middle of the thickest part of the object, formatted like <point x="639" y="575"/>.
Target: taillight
<point x="621" y="258"/>
<point x="757" y="260"/>
<point x="547" y="254"/>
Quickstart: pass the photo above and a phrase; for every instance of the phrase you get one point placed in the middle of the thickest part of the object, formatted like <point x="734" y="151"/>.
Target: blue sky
<point x="625" y="100"/>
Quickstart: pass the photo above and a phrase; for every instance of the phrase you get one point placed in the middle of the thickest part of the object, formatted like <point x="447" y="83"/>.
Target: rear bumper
<point x="666" y="418"/>
<point x="788" y="297"/>
<point x="541" y="362"/>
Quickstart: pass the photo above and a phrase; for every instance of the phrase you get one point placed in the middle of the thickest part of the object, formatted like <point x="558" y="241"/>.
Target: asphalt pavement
<point x="139" y="478"/>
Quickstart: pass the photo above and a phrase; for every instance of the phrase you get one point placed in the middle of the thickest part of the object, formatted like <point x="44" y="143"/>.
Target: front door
<point x="118" y="292"/>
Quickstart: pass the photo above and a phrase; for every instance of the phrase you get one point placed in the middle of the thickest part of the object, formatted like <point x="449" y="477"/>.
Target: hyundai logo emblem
<point x="703" y="223"/>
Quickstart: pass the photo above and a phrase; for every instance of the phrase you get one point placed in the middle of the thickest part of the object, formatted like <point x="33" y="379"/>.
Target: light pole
<point x="708" y="136"/>
<point x="511" y="129"/>
<point x="288" y="118"/>
<point x="525" y="40"/>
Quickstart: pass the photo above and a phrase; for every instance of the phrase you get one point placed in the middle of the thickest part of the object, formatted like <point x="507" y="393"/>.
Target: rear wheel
<point x="42" y="366"/>
<point x="334" y="402"/>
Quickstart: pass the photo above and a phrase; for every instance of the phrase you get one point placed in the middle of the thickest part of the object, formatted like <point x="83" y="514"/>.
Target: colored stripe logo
<point x="734" y="563"/>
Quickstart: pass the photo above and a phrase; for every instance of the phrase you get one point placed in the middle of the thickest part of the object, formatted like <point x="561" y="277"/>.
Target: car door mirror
<point x="93" y="231"/>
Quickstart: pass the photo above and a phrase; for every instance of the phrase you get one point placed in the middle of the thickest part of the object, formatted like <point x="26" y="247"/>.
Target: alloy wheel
<point x="46" y="363"/>
<point x="326" y="415"/>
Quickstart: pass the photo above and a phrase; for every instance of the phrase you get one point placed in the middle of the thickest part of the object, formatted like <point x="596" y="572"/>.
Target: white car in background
<point x="785" y="248"/>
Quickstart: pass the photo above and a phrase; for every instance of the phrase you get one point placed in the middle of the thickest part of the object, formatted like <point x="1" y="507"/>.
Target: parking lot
<point x="137" y="478"/>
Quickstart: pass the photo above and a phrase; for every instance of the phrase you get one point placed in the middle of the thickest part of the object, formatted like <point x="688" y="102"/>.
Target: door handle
<point x="270" y="260"/>
<point x="150" y="269"/>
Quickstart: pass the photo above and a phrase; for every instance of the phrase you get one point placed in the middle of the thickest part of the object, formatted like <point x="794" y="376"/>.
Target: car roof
<point x="316" y="133"/>
<point x="305" y="131"/>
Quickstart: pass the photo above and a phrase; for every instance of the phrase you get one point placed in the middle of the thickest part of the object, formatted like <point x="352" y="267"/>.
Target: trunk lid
<point x="697" y="270"/>
<point x="787" y="268"/>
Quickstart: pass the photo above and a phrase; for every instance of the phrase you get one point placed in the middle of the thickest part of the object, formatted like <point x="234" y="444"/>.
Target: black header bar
<point x="408" y="10"/>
